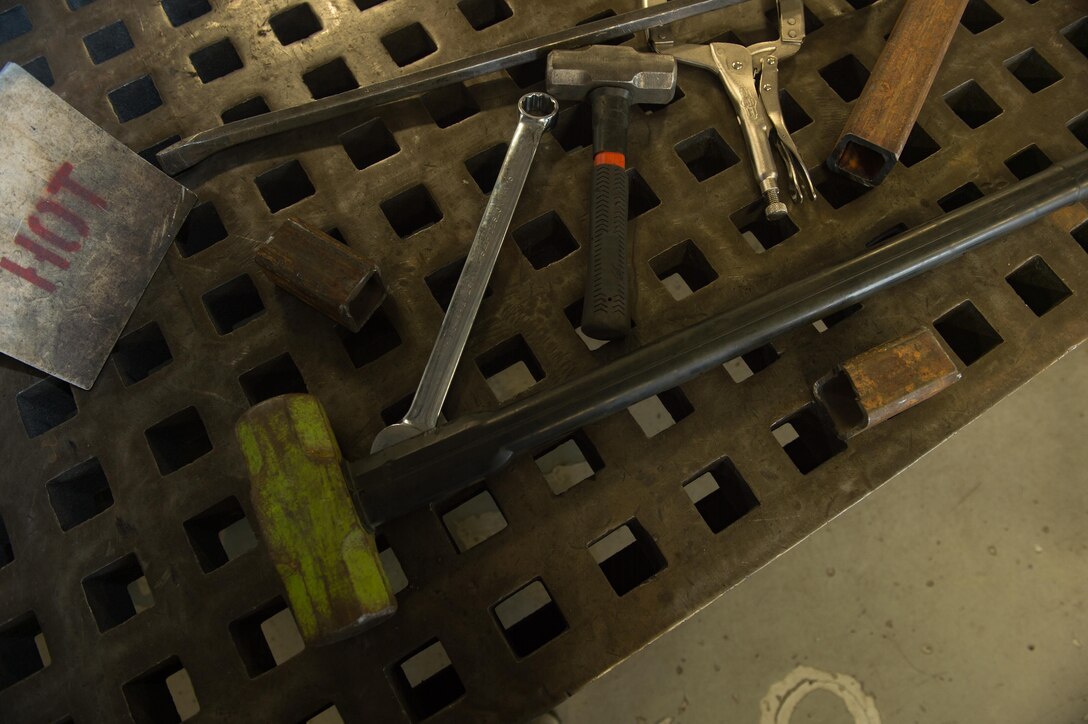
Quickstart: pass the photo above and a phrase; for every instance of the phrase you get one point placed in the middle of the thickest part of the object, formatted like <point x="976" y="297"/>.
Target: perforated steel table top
<point x="138" y="483"/>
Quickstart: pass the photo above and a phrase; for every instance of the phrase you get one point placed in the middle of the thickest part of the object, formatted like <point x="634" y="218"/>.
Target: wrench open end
<point x="394" y="434"/>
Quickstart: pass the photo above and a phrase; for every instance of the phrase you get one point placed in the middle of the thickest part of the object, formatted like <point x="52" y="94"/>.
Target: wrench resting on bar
<point x="750" y="77"/>
<point x="536" y="113"/>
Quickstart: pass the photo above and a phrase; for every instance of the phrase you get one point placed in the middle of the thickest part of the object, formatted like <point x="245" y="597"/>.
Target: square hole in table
<point x="569" y="462"/>
<point x="822" y="325"/>
<point x="545" y="240"/>
<point x="234" y="304"/>
<point x="1027" y="162"/>
<point x="658" y="413"/>
<point x="979" y="16"/>
<point x="178" y="440"/>
<point x="640" y="198"/>
<point x="277" y="376"/>
<point x="117" y="592"/>
<point x="846" y="76"/>
<point x="22" y="649"/>
<point x="706" y="154"/>
<point x="1077" y="34"/>
<point x="838" y="190"/>
<point x="77" y="4"/>
<point x="759" y="232"/>
<point x="721" y="495"/>
<point x="248" y="108"/>
<point x="474" y="520"/>
<point x="443" y="281"/>
<point x="44" y="405"/>
<point x="163" y="693"/>
<point x="960" y="197"/>
<point x="1032" y="70"/>
<point x="450" y="105"/>
<point x="285" y="185"/>
<point x="920" y="146"/>
<point x="972" y="104"/>
<point x="108" y="42"/>
<point x="367" y="4"/>
<point x="1037" y="284"/>
<point x="150" y="154"/>
<point x="484" y="166"/>
<point x="573" y="313"/>
<point x="795" y="116"/>
<point x="220" y="534"/>
<point x="135" y="98"/>
<point x="180" y="12"/>
<point x="295" y="24"/>
<point x="394" y="571"/>
<point x="683" y="269"/>
<point x="967" y="332"/>
<point x="885" y="235"/>
<point x="529" y="618"/>
<point x="427" y="681"/>
<point x="510" y="368"/>
<point x="39" y="68"/>
<point x="573" y="127"/>
<point x="649" y="108"/>
<point x="7" y="552"/>
<point x="808" y="437"/>
<point x="266" y="637"/>
<point x="328" y="715"/>
<point x="527" y="75"/>
<point x="14" y="23"/>
<point x="329" y="79"/>
<point x="409" y="44"/>
<point x="376" y="338"/>
<point x="201" y="230"/>
<point x="79" y="493"/>
<point x="1080" y="235"/>
<point x="369" y="143"/>
<point x="216" y="60"/>
<point x="628" y="557"/>
<point x="411" y="211"/>
<point x="482" y="14"/>
<point x="1079" y="128"/>
<point x="751" y="363"/>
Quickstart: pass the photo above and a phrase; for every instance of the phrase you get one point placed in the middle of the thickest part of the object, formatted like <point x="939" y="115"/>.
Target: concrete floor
<point x="958" y="592"/>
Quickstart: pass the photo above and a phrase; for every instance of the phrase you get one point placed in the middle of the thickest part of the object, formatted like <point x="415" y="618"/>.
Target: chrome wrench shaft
<point x="537" y="110"/>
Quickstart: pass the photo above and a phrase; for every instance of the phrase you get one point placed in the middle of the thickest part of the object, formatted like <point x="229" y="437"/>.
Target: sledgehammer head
<point x="648" y="77"/>
<point x="327" y="560"/>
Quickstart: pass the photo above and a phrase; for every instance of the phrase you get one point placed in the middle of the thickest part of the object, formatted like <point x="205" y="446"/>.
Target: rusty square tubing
<point x="886" y="380"/>
<point x="882" y="119"/>
<point x="325" y="274"/>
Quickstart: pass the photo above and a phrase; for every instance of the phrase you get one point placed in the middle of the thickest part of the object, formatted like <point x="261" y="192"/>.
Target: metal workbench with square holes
<point x="138" y="481"/>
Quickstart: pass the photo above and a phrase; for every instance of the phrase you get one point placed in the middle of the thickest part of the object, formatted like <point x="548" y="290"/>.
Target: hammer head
<point x="328" y="562"/>
<point x="648" y="77"/>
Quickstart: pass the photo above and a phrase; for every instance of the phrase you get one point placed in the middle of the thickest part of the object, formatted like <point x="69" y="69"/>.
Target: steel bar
<point x="434" y="466"/>
<point x="187" y="152"/>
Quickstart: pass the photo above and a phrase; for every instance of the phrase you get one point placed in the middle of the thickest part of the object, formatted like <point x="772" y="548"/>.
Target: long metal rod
<point x="192" y="150"/>
<point x="433" y="466"/>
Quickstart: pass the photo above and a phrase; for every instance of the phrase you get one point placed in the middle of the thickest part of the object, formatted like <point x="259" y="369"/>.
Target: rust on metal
<point x="884" y="116"/>
<point x="886" y="380"/>
<point x="329" y="276"/>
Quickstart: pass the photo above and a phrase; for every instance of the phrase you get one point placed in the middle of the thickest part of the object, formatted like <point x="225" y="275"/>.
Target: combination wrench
<point x="536" y="112"/>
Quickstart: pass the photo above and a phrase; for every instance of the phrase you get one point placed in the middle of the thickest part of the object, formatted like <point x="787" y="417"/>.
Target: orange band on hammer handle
<point x="610" y="158"/>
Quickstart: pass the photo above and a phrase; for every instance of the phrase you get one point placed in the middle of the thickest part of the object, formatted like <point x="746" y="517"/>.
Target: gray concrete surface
<point x="956" y="593"/>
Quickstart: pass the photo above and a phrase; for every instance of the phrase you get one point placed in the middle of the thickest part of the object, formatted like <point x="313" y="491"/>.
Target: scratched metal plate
<point x="76" y="259"/>
<point x="212" y="335"/>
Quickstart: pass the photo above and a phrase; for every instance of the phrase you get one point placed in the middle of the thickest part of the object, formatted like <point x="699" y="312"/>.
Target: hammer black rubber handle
<point x="606" y="314"/>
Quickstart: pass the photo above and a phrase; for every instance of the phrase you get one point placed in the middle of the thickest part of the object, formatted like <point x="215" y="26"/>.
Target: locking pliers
<point x="750" y="77"/>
